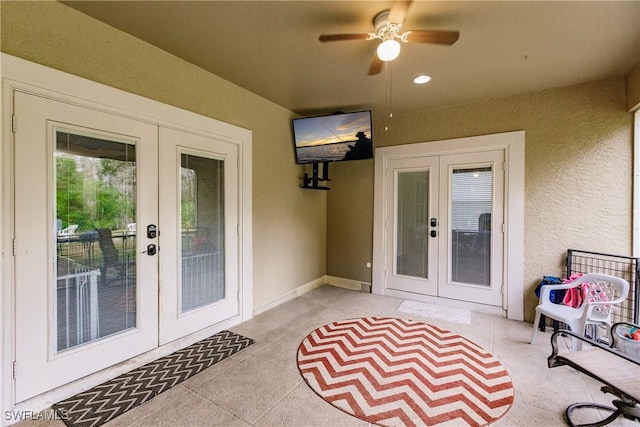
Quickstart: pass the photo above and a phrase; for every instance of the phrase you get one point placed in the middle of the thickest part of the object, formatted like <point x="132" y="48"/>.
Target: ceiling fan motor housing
<point x="386" y="30"/>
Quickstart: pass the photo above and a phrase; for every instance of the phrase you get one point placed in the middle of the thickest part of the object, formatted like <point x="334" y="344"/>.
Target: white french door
<point x="110" y="213"/>
<point x="77" y="309"/>
<point x="412" y="254"/>
<point x="443" y="227"/>
<point x="199" y="256"/>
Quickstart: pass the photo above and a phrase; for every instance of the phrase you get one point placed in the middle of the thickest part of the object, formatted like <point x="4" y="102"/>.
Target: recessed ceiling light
<point x="422" y="79"/>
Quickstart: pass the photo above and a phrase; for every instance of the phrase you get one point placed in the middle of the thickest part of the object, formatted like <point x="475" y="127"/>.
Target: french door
<point x="443" y="227"/>
<point x="125" y="239"/>
<point x="199" y="256"/>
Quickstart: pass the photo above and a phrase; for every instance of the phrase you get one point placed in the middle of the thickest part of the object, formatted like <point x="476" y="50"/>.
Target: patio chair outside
<point x="68" y="231"/>
<point x="111" y="257"/>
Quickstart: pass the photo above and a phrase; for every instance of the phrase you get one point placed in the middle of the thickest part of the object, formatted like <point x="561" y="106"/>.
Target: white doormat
<point x="425" y="309"/>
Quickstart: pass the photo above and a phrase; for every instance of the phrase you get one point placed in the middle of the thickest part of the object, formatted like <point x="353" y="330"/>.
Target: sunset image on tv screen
<point x="333" y="138"/>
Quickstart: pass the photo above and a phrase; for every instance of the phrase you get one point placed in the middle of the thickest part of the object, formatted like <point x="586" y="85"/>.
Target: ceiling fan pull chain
<point x="388" y="91"/>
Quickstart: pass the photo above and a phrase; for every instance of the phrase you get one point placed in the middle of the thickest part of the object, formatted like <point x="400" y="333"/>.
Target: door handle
<point x="433" y="233"/>
<point x="151" y="249"/>
<point x="433" y="222"/>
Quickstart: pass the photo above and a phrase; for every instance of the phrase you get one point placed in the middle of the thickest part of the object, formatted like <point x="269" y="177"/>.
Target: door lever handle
<point x="151" y="249"/>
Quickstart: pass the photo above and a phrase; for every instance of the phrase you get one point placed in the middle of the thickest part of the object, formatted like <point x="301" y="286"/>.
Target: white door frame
<point x="37" y="79"/>
<point x="513" y="145"/>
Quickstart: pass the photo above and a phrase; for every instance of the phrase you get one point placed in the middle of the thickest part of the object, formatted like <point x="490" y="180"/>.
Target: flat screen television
<point x="333" y="138"/>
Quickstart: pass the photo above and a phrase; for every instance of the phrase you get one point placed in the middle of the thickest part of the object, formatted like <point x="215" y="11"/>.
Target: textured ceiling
<point x="271" y="47"/>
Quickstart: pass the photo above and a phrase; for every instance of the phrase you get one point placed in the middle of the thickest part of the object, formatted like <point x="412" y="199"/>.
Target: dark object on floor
<point x="556" y="298"/>
<point x="617" y="370"/>
<point x="106" y="401"/>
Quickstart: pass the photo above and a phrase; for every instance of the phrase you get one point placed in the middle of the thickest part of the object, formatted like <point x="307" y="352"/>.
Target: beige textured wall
<point x="633" y="88"/>
<point x="578" y="161"/>
<point x="289" y="223"/>
<point x="350" y="220"/>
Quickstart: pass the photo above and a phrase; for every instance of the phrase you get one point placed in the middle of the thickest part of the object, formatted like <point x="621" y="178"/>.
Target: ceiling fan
<point x="387" y="26"/>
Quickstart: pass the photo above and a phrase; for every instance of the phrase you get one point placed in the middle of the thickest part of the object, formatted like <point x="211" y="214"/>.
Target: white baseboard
<point x="301" y="290"/>
<point x="354" y="285"/>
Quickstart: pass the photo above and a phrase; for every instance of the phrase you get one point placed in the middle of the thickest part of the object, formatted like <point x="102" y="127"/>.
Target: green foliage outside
<point x="100" y="193"/>
<point x="187" y="198"/>
<point x="95" y="193"/>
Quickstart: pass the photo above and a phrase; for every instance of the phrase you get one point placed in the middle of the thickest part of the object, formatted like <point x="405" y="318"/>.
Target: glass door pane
<point x="202" y="236"/>
<point x="412" y="224"/>
<point x="471" y="201"/>
<point x="95" y="225"/>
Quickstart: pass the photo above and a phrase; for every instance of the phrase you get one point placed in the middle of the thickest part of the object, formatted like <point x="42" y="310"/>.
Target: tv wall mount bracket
<point x="313" y="182"/>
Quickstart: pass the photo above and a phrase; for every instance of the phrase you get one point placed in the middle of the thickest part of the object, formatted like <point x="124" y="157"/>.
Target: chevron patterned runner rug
<point x="115" y="397"/>
<point x="397" y="372"/>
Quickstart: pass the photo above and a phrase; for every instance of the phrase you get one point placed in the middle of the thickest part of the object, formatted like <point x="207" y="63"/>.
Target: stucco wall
<point x="289" y="223"/>
<point x="633" y="88"/>
<point x="578" y="175"/>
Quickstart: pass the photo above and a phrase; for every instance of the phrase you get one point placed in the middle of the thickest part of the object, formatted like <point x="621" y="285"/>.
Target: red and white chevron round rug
<point x="396" y="372"/>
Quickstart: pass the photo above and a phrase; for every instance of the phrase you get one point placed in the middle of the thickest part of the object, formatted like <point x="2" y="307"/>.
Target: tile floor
<point x="261" y="385"/>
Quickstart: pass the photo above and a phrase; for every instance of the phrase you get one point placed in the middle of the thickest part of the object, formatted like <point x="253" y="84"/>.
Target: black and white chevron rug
<point x="103" y="403"/>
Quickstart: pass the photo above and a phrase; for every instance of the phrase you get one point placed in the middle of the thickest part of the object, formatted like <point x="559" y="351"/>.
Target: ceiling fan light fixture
<point x="388" y="50"/>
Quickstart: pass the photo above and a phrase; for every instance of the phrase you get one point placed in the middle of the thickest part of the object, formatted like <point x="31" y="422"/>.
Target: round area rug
<point x="395" y="372"/>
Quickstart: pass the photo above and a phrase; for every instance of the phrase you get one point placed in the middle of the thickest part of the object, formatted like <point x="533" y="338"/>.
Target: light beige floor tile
<point x="370" y="304"/>
<point x="251" y="388"/>
<point x="302" y="407"/>
<point x="46" y="418"/>
<point x="522" y="414"/>
<point x="261" y="384"/>
<point x="262" y="329"/>
<point x="284" y="350"/>
<point x="217" y="369"/>
<point x="134" y="415"/>
<point x="190" y="410"/>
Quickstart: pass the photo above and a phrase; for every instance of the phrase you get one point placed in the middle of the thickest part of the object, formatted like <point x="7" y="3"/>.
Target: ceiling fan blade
<point x="398" y="11"/>
<point x="340" y="37"/>
<point x="433" y="36"/>
<point x="376" y="66"/>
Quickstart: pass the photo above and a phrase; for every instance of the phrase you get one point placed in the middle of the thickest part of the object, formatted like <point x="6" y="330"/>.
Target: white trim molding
<point x="513" y="144"/>
<point x="339" y="282"/>
<point x="354" y="285"/>
<point x="636" y="184"/>
<point x="300" y="290"/>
